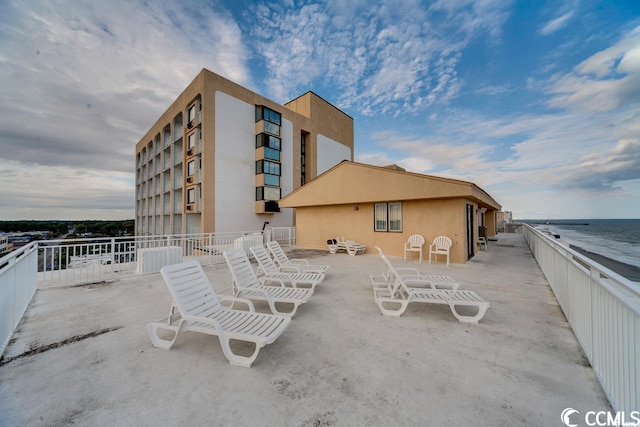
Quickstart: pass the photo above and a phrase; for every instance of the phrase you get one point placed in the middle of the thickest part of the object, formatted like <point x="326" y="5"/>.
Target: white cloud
<point x="83" y="81"/>
<point x="608" y="80"/>
<point x="394" y="58"/>
<point x="61" y="192"/>
<point x="556" y="23"/>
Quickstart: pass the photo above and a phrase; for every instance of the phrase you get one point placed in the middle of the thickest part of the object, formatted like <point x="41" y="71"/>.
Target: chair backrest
<point x="393" y="276"/>
<point x="264" y="259"/>
<point x="241" y="270"/>
<point x="442" y="242"/>
<point x="190" y="288"/>
<point x="416" y="240"/>
<point x="277" y="252"/>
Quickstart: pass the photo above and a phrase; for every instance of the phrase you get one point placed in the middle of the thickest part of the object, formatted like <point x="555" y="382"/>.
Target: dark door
<point x="470" y="241"/>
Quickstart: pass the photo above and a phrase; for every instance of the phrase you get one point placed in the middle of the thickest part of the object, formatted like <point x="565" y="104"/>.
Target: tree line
<point x="61" y="228"/>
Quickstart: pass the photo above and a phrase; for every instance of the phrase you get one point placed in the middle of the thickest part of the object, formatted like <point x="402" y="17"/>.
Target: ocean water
<point x="618" y="239"/>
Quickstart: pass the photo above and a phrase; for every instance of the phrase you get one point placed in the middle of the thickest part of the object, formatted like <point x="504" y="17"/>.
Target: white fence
<point x="18" y="284"/>
<point x="50" y="263"/>
<point x="603" y="309"/>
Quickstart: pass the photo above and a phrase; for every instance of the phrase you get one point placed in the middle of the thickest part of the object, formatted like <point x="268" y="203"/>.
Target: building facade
<point x="221" y="156"/>
<point x="383" y="206"/>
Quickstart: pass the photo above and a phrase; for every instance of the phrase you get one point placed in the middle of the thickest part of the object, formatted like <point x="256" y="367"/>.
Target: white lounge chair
<point x="349" y="246"/>
<point x="201" y="310"/>
<point x="247" y="285"/>
<point x="288" y="274"/>
<point x="282" y="260"/>
<point x="441" y="246"/>
<point x="398" y="293"/>
<point x="414" y="244"/>
<point x="412" y="277"/>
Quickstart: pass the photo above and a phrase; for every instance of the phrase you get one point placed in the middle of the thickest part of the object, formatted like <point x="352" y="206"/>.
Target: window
<point x="273" y="180"/>
<point x="270" y="153"/>
<point x="191" y="168"/>
<point x="268" y="193"/>
<point x="268" y="115"/>
<point x="388" y="217"/>
<point x="380" y="213"/>
<point x="272" y="119"/>
<point x="265" y="140"/>
<point x="272" y="128"/>
<point x="191" y="196"/>
<point x="395" y="217"/>
<point x="303" y="158"/>
<point x="191" y="141"/>
<point x="192" y="112"/>
<point x="265" y="166"/>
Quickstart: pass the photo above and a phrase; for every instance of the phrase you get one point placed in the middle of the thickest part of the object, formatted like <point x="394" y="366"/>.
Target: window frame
<point x="268" y="115"/>
<point x="389" y="213"/>
<point x="191" y="192"/>
<point x="268" y="167"/>
<point x="260" y="193"/>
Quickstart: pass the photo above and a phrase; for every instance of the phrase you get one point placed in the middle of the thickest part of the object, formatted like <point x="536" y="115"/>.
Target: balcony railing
<point x="18" y="283"/>
<point x="52" y="263"/>
<point x="603" y="309"/>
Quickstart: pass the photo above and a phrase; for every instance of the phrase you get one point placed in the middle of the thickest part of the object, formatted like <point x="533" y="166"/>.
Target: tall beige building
<point x="221" y="156"/>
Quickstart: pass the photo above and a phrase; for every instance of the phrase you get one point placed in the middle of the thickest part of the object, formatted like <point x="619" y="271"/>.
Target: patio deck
<point x="82" y="356"/>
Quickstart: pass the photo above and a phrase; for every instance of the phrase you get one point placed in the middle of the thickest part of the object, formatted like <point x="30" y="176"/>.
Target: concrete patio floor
<point x="82" y="356"/>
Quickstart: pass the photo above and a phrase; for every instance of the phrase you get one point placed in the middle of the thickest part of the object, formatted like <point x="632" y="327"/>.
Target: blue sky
<point x="537" y="102"/>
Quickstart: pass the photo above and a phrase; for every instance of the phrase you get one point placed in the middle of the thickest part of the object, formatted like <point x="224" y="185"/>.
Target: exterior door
<point x="470" y="242"/>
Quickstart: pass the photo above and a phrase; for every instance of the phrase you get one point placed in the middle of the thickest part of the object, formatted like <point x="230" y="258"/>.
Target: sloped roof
<point x="352" y="182"/>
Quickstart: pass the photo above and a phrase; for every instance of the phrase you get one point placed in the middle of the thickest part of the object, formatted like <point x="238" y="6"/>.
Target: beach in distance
<point x="613" y="243"/>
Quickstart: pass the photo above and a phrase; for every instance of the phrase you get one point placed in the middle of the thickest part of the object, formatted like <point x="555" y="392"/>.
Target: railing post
<point x="113" y="258"/>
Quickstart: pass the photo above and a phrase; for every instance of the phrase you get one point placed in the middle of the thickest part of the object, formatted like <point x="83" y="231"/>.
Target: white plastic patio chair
<point x="201" y="310"/>
<point x="247" y="285"/>
<point x="482" y="241"/>
<point x="282" y="260"/>
<point x="414" y="244"/>
<point x="287" y="274"/>
<point x="441" y="246"/>
<point x="399" y="293"/>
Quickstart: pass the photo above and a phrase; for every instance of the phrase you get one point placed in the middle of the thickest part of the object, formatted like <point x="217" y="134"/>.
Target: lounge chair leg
<point x="482" y="309"/>
<point x="156" y="341"/>
<point x="274" y="310"/>
<point x="393" y="313"/>
<point x="234" y="359"/>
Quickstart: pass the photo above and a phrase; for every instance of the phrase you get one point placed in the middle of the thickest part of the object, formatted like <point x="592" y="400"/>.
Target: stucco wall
<point x="235" y="167"/>
<point x="330" y="153"/>
<point x="429" y="218"/>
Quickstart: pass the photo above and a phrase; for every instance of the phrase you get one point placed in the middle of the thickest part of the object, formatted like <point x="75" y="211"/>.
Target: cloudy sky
<point x="538" y="102"/>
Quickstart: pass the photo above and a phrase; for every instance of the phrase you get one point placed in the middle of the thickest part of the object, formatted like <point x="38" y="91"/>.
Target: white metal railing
<point x="603" y="309"/>
<point x="69" y="262"/>
<point x="51" y="263"/>
<point x="18" y="284"/>
<point x="286" y="236"/>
